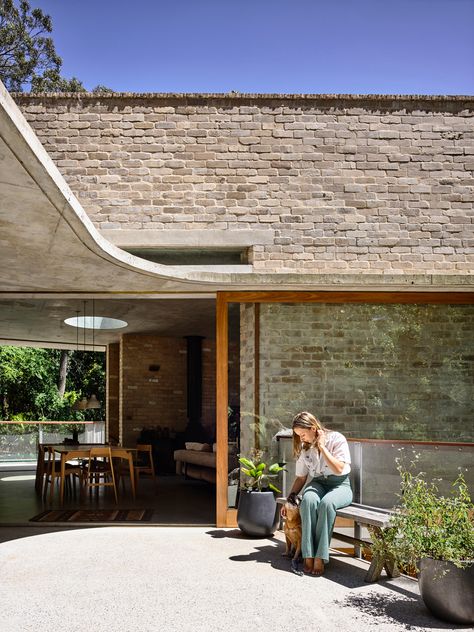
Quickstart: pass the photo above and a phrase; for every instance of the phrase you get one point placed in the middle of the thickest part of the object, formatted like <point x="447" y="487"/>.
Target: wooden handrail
<point x="50" y="422"/>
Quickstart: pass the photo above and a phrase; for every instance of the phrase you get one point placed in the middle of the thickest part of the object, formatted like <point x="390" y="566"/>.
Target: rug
<point x="94" y="515"/>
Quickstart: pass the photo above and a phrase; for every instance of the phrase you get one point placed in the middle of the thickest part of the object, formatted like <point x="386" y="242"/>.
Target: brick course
<point x="343" y="183"/>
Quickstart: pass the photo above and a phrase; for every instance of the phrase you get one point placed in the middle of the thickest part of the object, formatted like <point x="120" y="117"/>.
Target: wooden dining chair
<point x="124" y="466"/>
<point x="144" y="462"/>
<point x="100" y="473"/>
<point x="52" y="472"/>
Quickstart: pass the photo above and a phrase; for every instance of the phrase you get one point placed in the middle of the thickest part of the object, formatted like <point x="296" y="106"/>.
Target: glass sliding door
<point x="371" y="365"/>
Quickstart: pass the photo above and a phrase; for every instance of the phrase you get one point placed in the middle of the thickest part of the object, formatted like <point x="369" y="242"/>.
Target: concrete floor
<point x="127" y="579"/>
<point x="173" y="500"/>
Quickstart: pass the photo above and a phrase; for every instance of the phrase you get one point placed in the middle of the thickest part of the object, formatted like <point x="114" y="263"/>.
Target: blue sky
<point x="286" y="46"/>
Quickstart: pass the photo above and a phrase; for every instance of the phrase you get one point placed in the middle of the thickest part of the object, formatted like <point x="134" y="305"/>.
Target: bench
<point x="377" y="522"/>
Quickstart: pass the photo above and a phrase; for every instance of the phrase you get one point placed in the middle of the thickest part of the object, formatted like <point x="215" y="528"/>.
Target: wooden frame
<point x="226" y="517"/>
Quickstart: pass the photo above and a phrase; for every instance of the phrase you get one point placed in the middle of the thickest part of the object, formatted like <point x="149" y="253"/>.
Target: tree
<point x="29" y="380"/>
<point x="63" y="365"/>
<point x="28" y="58"/>
<point x="25" y="48"/>
<point x="51" y="81"/>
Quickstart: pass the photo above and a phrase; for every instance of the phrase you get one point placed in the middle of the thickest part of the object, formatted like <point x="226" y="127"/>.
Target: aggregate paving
<point x="127" y="579"/>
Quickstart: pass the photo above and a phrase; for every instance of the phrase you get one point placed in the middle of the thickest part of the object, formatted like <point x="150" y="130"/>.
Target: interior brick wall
<point x="150" y="398"/>
<point x="366" y="184"/>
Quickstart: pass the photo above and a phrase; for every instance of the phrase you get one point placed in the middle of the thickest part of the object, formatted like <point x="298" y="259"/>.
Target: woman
<point x="324" y="456"/>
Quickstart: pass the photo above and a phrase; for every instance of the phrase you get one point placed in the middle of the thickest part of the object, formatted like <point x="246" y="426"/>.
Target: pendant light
<point x="79" y="404"/>
<point x="93" y="402"/>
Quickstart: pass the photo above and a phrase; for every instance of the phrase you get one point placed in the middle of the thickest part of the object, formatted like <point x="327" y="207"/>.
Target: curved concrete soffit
<point x="23" y="142"/>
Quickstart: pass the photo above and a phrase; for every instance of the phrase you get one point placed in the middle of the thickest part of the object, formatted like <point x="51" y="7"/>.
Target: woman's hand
<point x="321" y="439"/>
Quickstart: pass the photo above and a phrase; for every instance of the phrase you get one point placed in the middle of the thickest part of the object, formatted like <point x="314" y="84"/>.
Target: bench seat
<point x="377" y="521"/>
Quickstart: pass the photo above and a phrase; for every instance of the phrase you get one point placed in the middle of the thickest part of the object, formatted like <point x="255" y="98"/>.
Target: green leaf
<point x="275" y="467"/>
<point x="274" y="489"/>
<point x="247" y="462"/>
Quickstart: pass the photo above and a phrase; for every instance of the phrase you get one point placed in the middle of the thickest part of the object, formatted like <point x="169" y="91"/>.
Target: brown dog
<point x="292" y="531"/>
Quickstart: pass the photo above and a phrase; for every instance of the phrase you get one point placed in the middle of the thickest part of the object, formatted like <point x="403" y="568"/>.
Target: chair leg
<point x="113" y="481"/>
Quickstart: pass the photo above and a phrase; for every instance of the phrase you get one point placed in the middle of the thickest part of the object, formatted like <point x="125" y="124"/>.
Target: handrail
<point x="50" y="422"/>
<point x="409" y="442"/>
<point x="399" y="442"/>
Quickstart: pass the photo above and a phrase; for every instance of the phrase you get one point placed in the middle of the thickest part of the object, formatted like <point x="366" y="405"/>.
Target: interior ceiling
<point x="41" y="321"/>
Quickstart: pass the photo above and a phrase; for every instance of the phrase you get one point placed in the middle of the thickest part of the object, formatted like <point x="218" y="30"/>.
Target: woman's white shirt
<point x="312" y="463"/>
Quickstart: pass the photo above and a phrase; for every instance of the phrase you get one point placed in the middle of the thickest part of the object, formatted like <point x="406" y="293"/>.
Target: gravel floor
<point x="127" y="579"/>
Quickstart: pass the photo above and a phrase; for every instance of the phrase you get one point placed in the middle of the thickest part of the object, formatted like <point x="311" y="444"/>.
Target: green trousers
<point x="321" y="497"/>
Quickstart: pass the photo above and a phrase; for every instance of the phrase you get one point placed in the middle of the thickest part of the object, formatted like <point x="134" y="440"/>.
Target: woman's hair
<point x="304" y="420"/>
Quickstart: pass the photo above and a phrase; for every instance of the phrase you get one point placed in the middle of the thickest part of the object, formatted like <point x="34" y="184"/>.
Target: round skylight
<point x="95" y="322"/>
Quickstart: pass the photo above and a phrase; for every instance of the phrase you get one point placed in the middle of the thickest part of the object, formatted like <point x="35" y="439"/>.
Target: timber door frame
<point x="225" y="516"/>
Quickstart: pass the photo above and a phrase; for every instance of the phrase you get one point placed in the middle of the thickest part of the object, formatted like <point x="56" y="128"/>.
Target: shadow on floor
<point x="406" y="611"/>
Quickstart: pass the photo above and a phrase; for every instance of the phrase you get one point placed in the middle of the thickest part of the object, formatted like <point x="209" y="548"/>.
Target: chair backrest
<point x="145" y="448"/>
<point x="100" y="452"/>
<point x="48" y="457"/>
<point x="121" y="453"/>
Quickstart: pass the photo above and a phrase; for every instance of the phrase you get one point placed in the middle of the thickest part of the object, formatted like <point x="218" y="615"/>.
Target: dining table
<point x="79" y="451"/>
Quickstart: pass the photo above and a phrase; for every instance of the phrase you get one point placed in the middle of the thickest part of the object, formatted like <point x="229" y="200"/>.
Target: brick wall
<point x="371" y="371"/>
<point x="343" y="184"/>
<point x="150" y="398"/>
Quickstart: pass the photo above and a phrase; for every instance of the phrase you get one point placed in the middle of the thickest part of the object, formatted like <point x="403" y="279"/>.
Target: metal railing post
<point x="358" y="483"/>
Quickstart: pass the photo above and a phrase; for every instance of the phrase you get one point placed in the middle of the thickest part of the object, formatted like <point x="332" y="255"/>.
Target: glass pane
<point x="369" y="371"/>
<point x="375" y="478"/>
<point x="233" y="409"/>
<point x="19" y="441"/>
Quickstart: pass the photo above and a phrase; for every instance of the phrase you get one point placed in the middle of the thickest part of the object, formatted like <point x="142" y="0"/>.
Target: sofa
<point x="198" y="461"/>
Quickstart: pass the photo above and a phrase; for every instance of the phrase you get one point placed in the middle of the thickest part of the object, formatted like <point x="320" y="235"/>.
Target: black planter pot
<point x="447" y="590"/>
<point x="257" y="513"/>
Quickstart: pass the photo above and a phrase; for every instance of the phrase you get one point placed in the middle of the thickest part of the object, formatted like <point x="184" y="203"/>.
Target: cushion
<point x="199" y="447"/>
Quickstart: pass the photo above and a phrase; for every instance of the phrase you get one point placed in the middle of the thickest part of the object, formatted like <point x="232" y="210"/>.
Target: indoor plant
<point x="434" y="535"/>
<point x="257" y="513"/>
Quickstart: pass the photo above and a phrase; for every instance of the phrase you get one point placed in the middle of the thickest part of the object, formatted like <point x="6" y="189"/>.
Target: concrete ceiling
<point x="40" y="322"/>
<point x="43" y="320"/>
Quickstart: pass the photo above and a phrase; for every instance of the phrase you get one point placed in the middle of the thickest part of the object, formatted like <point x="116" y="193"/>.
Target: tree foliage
<point x="51" y="81"/>
<point x="28" y="58"/>
<point x="29" y="384"/>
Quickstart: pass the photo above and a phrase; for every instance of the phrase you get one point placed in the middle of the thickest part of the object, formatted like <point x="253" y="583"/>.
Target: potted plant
<point x="434" y="536"/>
<point x="257" y="513"/>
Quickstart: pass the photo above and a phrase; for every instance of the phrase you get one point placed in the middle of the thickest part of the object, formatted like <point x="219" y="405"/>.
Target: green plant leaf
<point x="275" y="467"/>
<point x="247" y="462"/>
